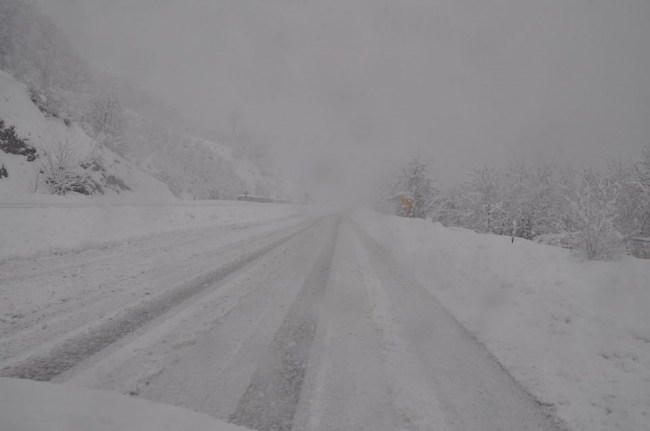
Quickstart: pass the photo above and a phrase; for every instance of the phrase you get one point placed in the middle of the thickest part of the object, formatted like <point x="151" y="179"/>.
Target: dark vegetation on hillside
<point x="11" y="143"/>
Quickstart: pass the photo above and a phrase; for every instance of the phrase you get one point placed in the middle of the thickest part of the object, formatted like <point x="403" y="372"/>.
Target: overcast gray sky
<point x="374" y="81"/>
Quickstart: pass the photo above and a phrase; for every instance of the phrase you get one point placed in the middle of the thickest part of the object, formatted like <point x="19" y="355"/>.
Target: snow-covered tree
<point x="108" y="122"/>
<point x="642" y="185"/>
<point x="416" y="181"/>
<point x="594" y="215"/>
<point x="487" y="212"/>
<point x="534" y="199"/>
<point x="454" y="207"/>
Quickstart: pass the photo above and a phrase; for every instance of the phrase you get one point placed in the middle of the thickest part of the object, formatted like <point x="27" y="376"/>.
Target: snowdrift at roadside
<point x="575" y="333"/>
<point x="26" y="405"/>
<point x="55" y="223"/>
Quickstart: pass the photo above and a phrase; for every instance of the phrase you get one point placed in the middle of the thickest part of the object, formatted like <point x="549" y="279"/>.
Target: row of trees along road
<point x="589" y="210"/>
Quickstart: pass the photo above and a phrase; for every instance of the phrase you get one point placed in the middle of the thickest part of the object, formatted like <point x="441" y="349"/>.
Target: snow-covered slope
<point x="110" y="172"/>
<point x="255" y="182"/>
<point x="34" y="406"/>
<point x="575" y="333"/>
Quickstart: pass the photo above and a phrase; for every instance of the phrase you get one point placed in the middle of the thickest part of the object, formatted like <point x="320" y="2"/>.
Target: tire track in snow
<point x="270" y="401"/>
<point x="473" y="389"/>
<point x="77" y="348"/>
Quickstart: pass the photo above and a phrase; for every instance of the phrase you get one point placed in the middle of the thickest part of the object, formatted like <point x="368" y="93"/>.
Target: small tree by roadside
<point x="62" y="170"/>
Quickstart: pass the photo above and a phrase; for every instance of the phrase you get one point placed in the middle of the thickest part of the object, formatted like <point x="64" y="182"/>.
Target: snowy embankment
<point x="575" y="333"/>
<point x="110" y="172"/>
<point x="52" y="224"/>
<point x="35" y="406"/>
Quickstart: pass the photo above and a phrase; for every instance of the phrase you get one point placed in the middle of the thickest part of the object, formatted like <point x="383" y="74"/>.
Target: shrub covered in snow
<point x="62" y="170"/>
<point x="11" y="143"/>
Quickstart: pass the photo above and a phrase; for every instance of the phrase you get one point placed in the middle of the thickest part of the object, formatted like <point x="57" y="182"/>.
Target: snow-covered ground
<point x="34" y="406"/>
<point x="40" y="223"/>
<point x="321" y="331"/>
<point x="201" y="301"/>
<point x="575" y="333"/>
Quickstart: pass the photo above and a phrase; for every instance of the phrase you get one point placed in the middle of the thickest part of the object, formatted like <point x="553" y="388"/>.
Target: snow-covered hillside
<point x="251" y="176"/>
<point x="193" y="166"/>
<point x="254" y="180"/>
<point x="110" y="173"/>
<point x="575" y="333"/>
<point x="95" y="111"/>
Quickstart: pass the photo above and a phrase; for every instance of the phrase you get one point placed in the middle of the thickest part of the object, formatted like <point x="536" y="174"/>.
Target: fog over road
<point x="304" y="323"/>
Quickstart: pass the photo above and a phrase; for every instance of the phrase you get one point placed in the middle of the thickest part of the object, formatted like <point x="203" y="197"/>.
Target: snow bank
<point x="53" y="223"/>
<point x="34" y="406"/>
<point x="575" y="333"/>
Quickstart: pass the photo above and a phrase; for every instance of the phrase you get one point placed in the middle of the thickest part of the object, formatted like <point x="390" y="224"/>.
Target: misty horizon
<point x="376" y="82"/>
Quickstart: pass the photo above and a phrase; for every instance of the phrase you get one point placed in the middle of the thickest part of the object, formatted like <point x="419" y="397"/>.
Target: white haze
<point x="341" y="89"/>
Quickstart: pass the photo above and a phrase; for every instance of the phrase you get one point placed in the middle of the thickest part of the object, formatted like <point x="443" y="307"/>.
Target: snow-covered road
<point x="301" y="323"/>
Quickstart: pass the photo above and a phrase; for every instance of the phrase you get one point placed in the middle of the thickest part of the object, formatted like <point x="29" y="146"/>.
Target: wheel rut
<point x="271" y="398"/>
<point x="77" y="348"/>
